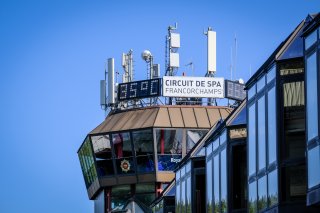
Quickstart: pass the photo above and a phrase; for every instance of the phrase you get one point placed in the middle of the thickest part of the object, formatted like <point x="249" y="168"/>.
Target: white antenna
<point x="127" y="64"/>
<point x="111" y="90"/>
<point x="172" y="46"/>
<point x="211" y="52"/>
<point x="235" y="54"/>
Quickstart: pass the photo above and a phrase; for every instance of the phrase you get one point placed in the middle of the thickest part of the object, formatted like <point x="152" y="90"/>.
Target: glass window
<point x="272" y="126"/>
<point x="143" y="147"/>
<point x="178" y="175"/>
<point x="262" y="193"/>
<point x="271" y="74"/>
<point x="178" y="197"/>
<point x="201" y="152"/>
<point x="223" y="181"/>
<point x="223" y="137"/>
<point x="145" y="188"/>
<point x="209" y="149"/>
<point x="261" y="83"/>
<point x="273" y="187"/>
<point x="312" y="106"/>
<point x="313" y="167"/>
<point x="209" y="185"/>
<point x="188" y="194"/>
<point x="310" y="39"/>
<point x="216" y="183"/>
<point x="183" y="196"/>
<point x="183" y="171"/>
<point x="120" y="195"/>
<point x="169" y="148"/>
<point x="295" y="183"/>
<point x="193" y="136"/>
<point x="253" y="197"/>
<point x="103" y="153"/>
<point x="251" y="91"/>
<point x="188" y="167"/>
<point x="261" y="133"/>
<point x="215" y="144"/>
<point x="252" y="139"/>
<point x="123" y="153"/>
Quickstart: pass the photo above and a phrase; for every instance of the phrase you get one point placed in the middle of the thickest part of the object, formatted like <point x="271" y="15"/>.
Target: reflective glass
<point x="223" y="137"/>
<point x="261" y="83"/>
<point x="178" y="175"/>
<point x="215" y="144"/>
<point x="188" y="167"/>
<point x="201" y="152"/>
<point x="145" y="188"/>
<point x="262" y="193"/>
<point x="208" y="150"/>
<point x="193" y="136"/>
<point x="261" y="133"/>
<point x="271" y="74"/>
<point x="143" y="147"/>
<point x="251" y="91"/>
<point x="169" y="143"/>
<point x="313" y="167"/>
<point x="252" y="139"/>
<point x="252" y="197"/>
<point x="223" y="181"/>
<point x="312" y="97"/>
<point x="216" y="183"/>
<point x="183" y="196"/>
<point x="310" y="39"/>
<point x="209" y="185"/>
<point x="188" y="194"/>
<point x="103" y="153"/>
<point x="123" y="153"/>
<point x="273" y="188"/>
<point x="178" y="197"/>
<point x="272" y="126"/>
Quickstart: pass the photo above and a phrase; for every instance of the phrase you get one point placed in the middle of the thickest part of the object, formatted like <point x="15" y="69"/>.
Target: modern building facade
<point x="132" y="154"/>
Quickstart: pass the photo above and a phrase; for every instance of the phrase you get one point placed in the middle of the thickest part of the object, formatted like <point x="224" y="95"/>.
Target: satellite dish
<point x="146" y="55"/>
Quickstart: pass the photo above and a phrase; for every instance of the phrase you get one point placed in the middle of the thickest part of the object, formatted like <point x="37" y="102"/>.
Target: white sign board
<point x="195" y="87"/>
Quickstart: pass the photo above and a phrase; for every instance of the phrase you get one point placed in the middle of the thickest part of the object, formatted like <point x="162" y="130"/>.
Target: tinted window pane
<point x="262" y="193"/>
<point x="261" y="83"/>
<point x="169" y="148"/>
<point x="103" y="153"/>
<point x="312" y="106"/>
<point x="183" y="196"/>
<point x="209" y="185"/>
<point x="251" y="92"/>
<point x="223" y="181"/>
<point x="223" y="137"/>
<point x="209" y="149"/>
<point x="143" y="147"/>
<point x="252" y="139"/>
<point x="253" y="197"/>
<point x="310" y="39"/>
<point x="123" y="153"/>
<point x="271" y="74"/>
<point x="215" y="144"/>
<point x="193" y="136"/>
<point x="272" y="124"/>
<point x="313" y="167"/>
<point x="188" y="194"/>
<point x="273" y="188"/>
<point x="178" y="197"/>
<point x="216" y="184"/>
<point x="261" y="133"/>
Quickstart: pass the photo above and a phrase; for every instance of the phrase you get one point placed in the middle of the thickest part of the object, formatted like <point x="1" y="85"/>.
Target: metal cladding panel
<point x="189" y="117"/>
<point x="120" y="121"/>
<point x="175" y="40"/>
<point x="212" y="55"/>
<point x="143" y="116"/>
<point x="225" y="113"/>
<point x="101" y="126"/>
<point x="202" y="117"/>
<point x="150" y="118"/>
<point x="102" y="92"/>
<point x="162" y="119"/>
<point x="130" y="124"/>
<point x="214" y="116"/>
<point x="176" y="117"/>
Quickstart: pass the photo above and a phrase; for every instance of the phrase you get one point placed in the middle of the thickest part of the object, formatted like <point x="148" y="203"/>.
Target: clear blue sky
<point x="52" y="56"/>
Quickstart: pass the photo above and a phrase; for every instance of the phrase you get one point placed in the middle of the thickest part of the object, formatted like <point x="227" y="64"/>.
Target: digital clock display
<point x="139" y="89"/>
<point x="234" y="90"/>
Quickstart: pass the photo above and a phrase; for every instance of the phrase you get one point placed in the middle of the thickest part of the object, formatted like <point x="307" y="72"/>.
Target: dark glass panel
<point x="103" y="153"/>
<point x="294" y="179"/>
<point x="251" y="91"/>
<point x="143" y="147"/>
<point x="169" y="143"/>
<point x="123" y="153"/>
<point x="188" y="195"/>
<point x="223" y="181"/>
<point x="310" y="39"/>
<point x="272" y="126"/>
<point x="193" y="136"/>
<point x="261" y="83"/>
<point x="216" y="183"/>
<point x="178" y="197"/>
